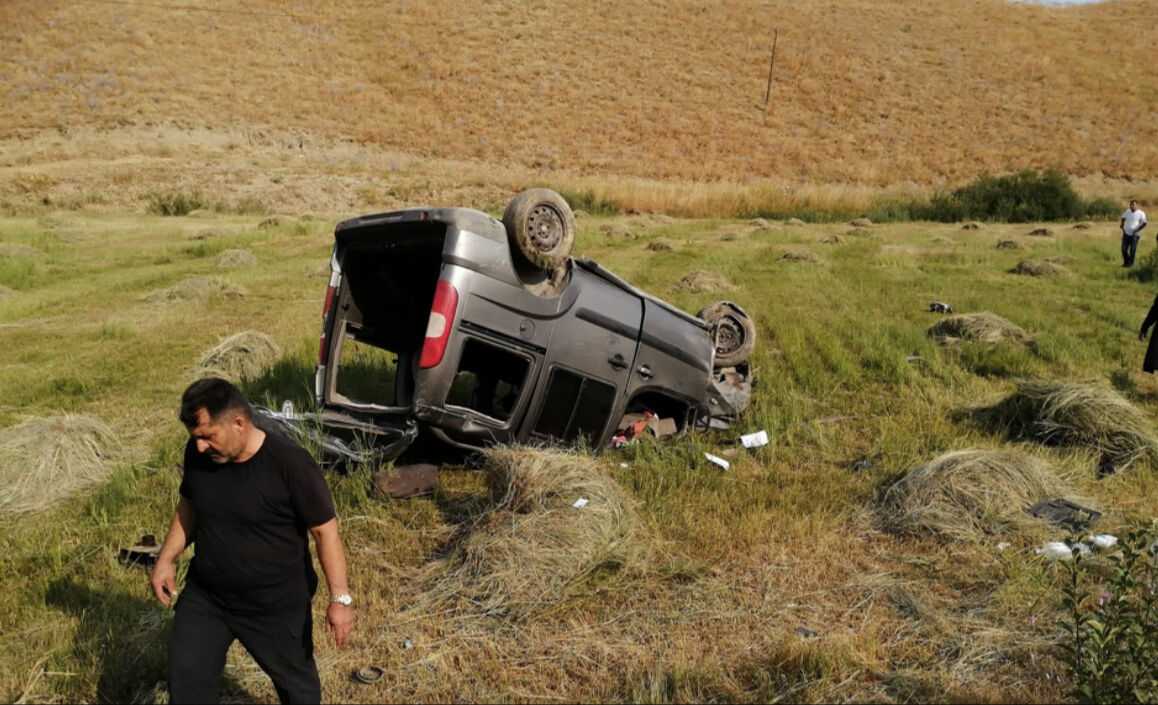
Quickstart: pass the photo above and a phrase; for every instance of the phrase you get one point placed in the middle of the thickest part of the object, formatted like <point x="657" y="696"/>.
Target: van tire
<point x="540" y="228"/>
<point x="732" y="332"/>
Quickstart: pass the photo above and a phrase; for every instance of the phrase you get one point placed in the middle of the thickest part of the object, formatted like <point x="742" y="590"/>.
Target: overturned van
<point x="477" y="331"/>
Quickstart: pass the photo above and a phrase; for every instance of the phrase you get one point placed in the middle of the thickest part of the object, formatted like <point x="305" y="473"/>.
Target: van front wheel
<point x="540" y="227"/>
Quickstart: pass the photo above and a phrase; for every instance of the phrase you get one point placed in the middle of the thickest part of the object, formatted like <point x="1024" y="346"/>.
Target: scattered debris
<point x="1064" y="513"/>
<point x="864" y="462"/>
<point x="940" y="307"/>
<point x="1002" y="545"/>
<point x="1058" y="550"/>
<point x="807" y="633"/>
<point x="718" y="460"/>
<point x="407" y="644"/>
<point x="406" y="481"/>
<point x="144" y="553"/>
<point x="368" y="674"/>
<point x="580" y="503"/>
<point x="1103" y="540"/>
<point x="755" y="440"/>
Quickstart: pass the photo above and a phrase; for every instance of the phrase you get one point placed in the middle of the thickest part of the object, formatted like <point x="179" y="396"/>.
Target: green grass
<point x="788" y="537"/>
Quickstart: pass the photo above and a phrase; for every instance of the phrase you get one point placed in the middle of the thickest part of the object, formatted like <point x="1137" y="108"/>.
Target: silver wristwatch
<point x="342" y="598"/>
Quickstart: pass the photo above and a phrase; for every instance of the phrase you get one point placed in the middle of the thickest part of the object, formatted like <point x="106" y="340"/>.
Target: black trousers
<point x="1129" y="249"/>
<point x="282" y="644"/>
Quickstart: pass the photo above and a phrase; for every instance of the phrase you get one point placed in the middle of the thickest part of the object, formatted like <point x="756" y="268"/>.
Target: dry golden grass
<point x="899" y="95"/>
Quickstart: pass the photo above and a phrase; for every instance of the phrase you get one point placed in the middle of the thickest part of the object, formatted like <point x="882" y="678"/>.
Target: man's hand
<point x="164" y="582"/>
<point x="340" y="620"/>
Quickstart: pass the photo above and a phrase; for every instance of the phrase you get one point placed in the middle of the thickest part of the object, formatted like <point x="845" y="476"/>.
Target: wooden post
<point x="768" y="92"/>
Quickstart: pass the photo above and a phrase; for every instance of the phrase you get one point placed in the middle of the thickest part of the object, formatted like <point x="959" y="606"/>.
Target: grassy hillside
<point x="735" y="563"/>
<point x="111" y="97"/>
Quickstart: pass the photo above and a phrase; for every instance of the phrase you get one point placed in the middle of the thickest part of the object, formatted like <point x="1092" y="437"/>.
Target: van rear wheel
<point x="540" y="227"/>
<point x="732" y="330"/>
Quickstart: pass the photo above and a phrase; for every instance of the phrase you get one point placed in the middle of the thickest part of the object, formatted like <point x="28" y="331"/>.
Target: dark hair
<point x="216" y="396"/>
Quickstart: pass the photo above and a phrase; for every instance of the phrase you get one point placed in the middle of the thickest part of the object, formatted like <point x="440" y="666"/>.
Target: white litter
<point x="623" y="465"/>
<point x="1103" y="540"/>
<point x="407" y="644"/>
<point x="1003" y="545"/>
<point x="580" y="503"/>
<point x="287" y="409"/>
<point x="755" y="440"/>
<point x="718" y="460"/>
<point x="1055" y="551"/>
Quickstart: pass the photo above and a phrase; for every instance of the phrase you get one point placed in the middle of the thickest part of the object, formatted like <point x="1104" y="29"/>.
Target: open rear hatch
<point x="386" y="271"/>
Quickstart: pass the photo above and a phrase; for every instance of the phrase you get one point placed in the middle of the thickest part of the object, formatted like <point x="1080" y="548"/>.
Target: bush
<point x="175" y="203"/>
<point x="1027" y="196"/>
<point x="591" y="203"/>
<point x="1112" y="647"/>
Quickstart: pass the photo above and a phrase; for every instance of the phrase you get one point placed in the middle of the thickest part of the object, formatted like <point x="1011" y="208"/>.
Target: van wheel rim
<point x="545" y="225"/>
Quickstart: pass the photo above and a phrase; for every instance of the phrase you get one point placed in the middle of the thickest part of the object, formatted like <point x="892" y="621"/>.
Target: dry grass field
<point x="659" y="103"/>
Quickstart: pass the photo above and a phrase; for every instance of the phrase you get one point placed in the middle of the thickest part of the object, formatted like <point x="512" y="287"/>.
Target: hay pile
<point x="662" y="244"/>
<point x="833" y="239"/>
<point x="701" y="282"/>
<point x="528" y="550"/>
<point x="235" y="258"/>
<point x="972" y="225"/>
<point x="759" y="223"/>
<point x="860" y="223"/>
<point x="197" y="289"/>
<point x="1041" y="232"/>
<point x="982" y="327"/>
<point x="1082" y="226"/>
<point x="1039" y="268"/>
<point x="794" y="222"/>
<point x="1061" y="259"/>
<point x="968" y="494"/>
<point x="1009" y="245"/>
<point x="241" y="356"/>
<point x="274" y="221"/>
<point x="1078" y="415"/>
<point x="618" y="231"/>
<point x="941" y="240"/>
<point x="798" y="254"/>
<point x="43" y="460"/>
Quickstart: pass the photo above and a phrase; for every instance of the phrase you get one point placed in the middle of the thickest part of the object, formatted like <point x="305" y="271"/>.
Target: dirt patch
<point x="20" y="251"/>
<point x="1040" y="268"/>
<point x="229" y="259"/>
<point x="196" y="289"/>
<point x="701" y="282"/>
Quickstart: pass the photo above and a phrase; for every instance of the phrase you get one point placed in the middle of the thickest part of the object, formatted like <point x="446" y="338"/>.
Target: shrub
<point x="1112" y="647"/>
<point x="590" y="202"/>
<point x="175" y="202"/>
<point x="1027" y="196"/>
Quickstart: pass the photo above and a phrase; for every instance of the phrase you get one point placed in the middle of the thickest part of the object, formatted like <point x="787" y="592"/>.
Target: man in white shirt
<point x="1133" y="221"/>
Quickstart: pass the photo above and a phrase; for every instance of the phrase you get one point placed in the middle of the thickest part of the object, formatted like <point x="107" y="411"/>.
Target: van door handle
<point x="645" y="372"/>
<point x="617" y="362"/>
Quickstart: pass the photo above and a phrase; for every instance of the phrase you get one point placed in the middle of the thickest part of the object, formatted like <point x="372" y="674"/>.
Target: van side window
<point x="489" y="379"/>
<point x="575" y="406"/>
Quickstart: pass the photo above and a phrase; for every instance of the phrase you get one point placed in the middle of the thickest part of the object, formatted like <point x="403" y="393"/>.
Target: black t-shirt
<point x="251" y="550"/>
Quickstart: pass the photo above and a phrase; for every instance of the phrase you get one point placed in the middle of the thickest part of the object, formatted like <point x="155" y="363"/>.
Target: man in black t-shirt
<point x="249" y="500"/>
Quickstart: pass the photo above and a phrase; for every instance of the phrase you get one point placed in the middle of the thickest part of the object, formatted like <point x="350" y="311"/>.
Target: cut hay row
<point x="968" y="494"/>
<point x="981" y="327"/>
<point x="196" y="289"/>
<point x="1078" y="415"/>
<point x="43" y="460"/>
<point x="1039" y="268"/>
<point x="525" y="553"/>
<point x="241" y="356"/>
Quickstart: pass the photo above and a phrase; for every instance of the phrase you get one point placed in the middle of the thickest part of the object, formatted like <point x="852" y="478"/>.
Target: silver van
<point x="477" y="331"/>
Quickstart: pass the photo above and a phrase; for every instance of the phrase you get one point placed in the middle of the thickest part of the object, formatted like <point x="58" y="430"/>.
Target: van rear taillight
<point x="330" y="293"/>
<point x="439" y="324"/>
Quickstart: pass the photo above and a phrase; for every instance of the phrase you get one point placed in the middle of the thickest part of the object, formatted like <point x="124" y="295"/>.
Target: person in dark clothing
<point x="249" y="500"/>
<point x="1150" y="362"/>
